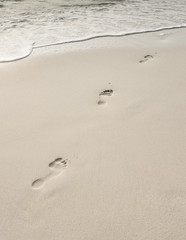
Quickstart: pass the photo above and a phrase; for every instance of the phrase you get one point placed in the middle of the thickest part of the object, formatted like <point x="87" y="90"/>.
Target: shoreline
<point x="92" y="38"/>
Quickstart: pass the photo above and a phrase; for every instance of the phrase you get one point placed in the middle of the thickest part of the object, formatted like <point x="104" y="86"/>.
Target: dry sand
<point x="78" y="163"/>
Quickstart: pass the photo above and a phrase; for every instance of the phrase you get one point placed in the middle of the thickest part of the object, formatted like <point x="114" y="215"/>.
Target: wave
<point x="19" y="57"/>
<point x="89" y="5"/>
<point x="33" y="47"/>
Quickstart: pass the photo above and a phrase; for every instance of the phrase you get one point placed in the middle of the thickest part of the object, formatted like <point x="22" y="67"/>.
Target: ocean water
<point x="28" y="24"/>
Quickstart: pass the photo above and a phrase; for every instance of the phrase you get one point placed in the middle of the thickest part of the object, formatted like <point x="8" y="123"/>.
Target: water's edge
<point x="91" y="38"/>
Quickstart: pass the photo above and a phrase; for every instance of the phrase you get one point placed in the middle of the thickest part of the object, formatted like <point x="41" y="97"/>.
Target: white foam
<point x="51" y="22"/>
<point x="14" y="46"/>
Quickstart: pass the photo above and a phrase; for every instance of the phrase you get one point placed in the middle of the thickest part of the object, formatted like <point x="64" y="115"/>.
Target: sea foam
<point x="43" y="23"/>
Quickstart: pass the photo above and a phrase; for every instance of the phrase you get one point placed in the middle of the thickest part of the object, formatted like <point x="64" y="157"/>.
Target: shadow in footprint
<point x="56" y="168"/>
<point x="146" y="58"/>
<point x="103" y="95"/>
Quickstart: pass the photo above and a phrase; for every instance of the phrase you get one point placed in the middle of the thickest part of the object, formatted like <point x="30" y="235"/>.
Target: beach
<point x="93" y="140"/>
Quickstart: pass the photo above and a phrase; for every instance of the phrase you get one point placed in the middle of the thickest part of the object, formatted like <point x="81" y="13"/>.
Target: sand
<point x="92" y="142"/>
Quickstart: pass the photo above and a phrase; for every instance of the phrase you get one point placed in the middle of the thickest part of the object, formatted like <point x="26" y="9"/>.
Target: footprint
<point x="39" y="183"/>
<point x="56" y="168"/>
<point x="58" y="164"/>
<point x="103" y="95"/>
<point x="146" y="58"/>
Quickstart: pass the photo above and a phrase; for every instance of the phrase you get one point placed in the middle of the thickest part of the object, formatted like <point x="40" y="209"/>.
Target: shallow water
<point x="24" y="23"/>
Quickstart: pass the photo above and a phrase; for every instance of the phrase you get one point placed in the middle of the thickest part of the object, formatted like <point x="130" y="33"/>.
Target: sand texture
<point x="93" y="141"/>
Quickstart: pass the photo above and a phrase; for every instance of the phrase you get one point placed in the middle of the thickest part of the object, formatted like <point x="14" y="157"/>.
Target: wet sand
<point x="93" y="141"/>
